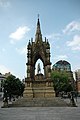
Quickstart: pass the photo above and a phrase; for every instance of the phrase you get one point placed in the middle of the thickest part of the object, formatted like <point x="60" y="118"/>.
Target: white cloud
<point x="75" y="43"/>
<point x="4" y="69"/>
<point x="22" y="51"/>
<point x="60" y="57"/>
<point x="19" y="34"/>
<point x="54" y="36"/>
<point x="71" y="27"/>
<point x="4" y="3"/>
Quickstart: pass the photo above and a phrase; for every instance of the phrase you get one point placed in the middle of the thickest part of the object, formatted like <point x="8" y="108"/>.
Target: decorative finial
<point x="38" y="16"/>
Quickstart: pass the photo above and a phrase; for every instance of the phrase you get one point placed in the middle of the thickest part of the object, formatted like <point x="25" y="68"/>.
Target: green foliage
<point x="13" y="86"/>
<point x="61" y="82"/>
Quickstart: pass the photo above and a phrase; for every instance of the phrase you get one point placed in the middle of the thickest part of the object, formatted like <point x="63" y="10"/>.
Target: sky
<point x="59" y="22"/>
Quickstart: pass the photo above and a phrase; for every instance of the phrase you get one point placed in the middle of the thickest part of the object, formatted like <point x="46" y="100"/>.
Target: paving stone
<point x="40" y="113"/>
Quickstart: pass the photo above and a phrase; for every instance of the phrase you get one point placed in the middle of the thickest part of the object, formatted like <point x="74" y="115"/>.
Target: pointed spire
<point x="38" y="35"/>
<point x="38" y="31"/>
<point x="38" y="23"/>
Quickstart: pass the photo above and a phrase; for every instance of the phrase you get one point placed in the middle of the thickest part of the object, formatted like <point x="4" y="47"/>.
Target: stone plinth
<point x="39" y="88"/>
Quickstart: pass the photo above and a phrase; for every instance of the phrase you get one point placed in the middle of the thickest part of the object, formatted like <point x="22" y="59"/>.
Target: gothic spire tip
<point x="38" y="16"/>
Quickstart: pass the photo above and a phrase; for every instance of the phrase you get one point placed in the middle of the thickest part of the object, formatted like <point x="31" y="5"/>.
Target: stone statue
<point x="38" y="68"/>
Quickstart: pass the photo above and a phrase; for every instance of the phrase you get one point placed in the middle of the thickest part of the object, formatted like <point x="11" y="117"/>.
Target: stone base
<point x="39" y="89"/>
<point x="40" y="102"/>
<point x="43" y="92"/>
<point x="28" y="93"/>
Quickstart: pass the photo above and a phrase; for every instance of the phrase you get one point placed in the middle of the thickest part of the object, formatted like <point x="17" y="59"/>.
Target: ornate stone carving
<point x="38" y="49"/>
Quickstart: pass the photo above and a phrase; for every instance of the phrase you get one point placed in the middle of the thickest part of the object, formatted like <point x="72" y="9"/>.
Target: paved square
<point x="40" y="113"/>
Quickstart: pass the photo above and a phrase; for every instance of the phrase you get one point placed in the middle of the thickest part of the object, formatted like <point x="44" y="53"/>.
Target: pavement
<point x="41" y="113"/>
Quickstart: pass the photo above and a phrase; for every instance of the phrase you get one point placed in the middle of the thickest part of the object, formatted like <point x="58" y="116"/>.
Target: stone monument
<point x="39" y="85"/>
<point x="39" y="90"/>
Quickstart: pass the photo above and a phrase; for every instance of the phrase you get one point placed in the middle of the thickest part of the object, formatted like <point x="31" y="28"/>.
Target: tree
<point x="61" y="82"/>
<point x="13" y="86"/>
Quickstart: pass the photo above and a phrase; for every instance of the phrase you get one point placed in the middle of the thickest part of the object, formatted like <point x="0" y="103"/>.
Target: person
<point x="72" y="100"/>
<point x="76" y="96"/>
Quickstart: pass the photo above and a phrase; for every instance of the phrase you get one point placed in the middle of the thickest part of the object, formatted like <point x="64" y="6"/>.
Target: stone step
<point x="39" y="102"/>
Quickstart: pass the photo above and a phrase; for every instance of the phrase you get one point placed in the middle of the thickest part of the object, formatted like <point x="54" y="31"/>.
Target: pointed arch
<point x="38" y="50"/>
<point x="39" y="62"/>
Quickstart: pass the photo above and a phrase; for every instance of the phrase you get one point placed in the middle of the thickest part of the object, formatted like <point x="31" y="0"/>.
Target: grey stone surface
<point x="40" y="102"/>
<point x="40" y="113"/>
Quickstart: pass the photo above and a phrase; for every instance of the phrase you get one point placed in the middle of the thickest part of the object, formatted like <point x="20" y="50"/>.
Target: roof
<point x="63" y="62"/>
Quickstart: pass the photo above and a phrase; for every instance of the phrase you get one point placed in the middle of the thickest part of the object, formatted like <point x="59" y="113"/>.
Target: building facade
<point x="77" y="77"/>
<point x="2" y="78"/>
<point x="64" y="66"/>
